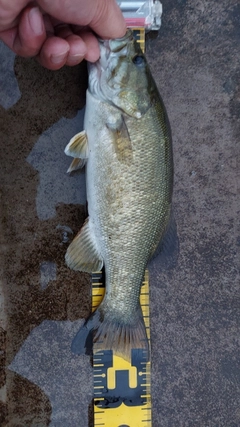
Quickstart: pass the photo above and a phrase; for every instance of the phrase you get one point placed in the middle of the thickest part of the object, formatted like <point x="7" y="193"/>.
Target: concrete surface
<point x="195" y="307"/>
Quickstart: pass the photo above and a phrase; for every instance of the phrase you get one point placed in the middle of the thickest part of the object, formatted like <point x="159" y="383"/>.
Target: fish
<point x="127" y="148"/>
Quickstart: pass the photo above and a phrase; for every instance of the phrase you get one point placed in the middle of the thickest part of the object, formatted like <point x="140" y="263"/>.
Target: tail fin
<point x="110" y="334"/>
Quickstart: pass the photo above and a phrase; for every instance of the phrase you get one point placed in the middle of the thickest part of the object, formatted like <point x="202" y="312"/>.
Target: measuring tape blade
<point x="122" y="394"/>
<point x="139" y="34"/>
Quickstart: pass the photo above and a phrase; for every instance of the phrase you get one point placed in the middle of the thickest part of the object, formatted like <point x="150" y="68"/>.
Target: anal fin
<point x="82" y="254"/>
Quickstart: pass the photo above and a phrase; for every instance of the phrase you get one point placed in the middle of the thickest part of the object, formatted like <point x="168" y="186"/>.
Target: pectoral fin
<point x="82" y="253"/>
<point x="76" y="164"/>
<point x="78" y="146"/>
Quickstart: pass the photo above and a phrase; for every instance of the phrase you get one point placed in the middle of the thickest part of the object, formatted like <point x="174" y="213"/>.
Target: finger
<point x="77" y="50"/>
<point x="82" y="45"/>
<point x="77" y="47"/>
<point x="103" y="16"/>
<point x="108" y="21"/>
<point x="54" y="53"/>
<point x="27" y="38"/>
<point x="92" y="46"/>
<point x="49" y="27"/>
<point x="62" y="30"/>
<point x="9" y="11"/>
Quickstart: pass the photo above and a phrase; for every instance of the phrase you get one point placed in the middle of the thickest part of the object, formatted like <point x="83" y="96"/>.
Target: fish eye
<point x="138" y="60"/>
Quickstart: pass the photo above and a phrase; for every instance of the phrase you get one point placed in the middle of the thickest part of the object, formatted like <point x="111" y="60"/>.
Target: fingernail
<point x="35" y="21"/>
<point x="57" y="59"/>
<point x="75" y="59"/>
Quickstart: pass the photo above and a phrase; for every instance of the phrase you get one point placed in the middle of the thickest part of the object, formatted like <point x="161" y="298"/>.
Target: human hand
<point x="58" y="32"/>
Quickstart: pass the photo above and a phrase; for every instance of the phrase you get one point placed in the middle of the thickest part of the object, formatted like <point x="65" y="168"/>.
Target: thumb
<point x="102" y="16"/>
<point x="108" y="21"/>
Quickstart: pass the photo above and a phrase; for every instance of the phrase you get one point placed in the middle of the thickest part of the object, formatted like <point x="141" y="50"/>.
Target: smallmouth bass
<point x="126" y="145"/>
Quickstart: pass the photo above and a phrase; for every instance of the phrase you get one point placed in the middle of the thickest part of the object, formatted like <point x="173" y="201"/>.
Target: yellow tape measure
<point x="122" y="394"/>
<point x="139" y="34"/>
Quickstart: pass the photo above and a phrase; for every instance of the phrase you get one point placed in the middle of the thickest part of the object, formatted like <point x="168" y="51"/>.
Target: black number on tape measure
<point x="122" y="393"/>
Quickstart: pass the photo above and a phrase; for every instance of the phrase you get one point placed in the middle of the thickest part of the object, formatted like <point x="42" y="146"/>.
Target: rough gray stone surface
<point x="195" y="306"/>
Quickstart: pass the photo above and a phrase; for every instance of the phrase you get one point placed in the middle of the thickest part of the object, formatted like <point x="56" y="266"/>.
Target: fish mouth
<point x="108" y="77"/>
<point x="113" y="47"/>
<point x="115" y="44"/>
<point x="106" y="48"/>
<point x="94" y="76"/>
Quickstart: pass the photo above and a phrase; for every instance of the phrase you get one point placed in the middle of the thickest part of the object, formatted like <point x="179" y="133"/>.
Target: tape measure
<point x="122" y="392"/>
<point x="139" y="34"/>
<point x="122" y="395"/>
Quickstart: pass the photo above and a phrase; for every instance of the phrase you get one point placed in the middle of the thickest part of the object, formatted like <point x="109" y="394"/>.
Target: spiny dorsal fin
<point x="78" y="146"/>
<point x="82" y="254"/>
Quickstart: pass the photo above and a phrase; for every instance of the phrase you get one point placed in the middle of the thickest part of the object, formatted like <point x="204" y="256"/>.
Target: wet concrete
<point x="195" y="307"/>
